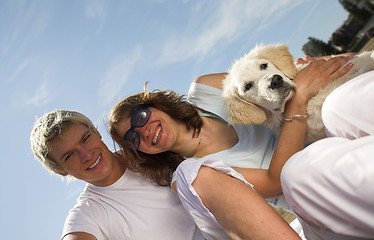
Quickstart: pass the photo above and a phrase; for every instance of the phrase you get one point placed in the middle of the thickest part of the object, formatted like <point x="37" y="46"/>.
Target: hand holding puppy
<point x="317" y="74"/>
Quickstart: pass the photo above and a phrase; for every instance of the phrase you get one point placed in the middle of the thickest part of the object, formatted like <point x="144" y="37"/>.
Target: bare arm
<point x="213" y="80"/>
<point x="240" y="210"/>
<point x="79" y="236"/>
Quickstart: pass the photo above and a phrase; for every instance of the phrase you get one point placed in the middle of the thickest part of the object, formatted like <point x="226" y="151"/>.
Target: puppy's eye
<point x="248" y="86"/>
<point x="263" y="66"/>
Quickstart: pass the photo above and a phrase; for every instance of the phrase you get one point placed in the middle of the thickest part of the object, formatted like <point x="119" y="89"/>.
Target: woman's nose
<point x="142" y="131"/>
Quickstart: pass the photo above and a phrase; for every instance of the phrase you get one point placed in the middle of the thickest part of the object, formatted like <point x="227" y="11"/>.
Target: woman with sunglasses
<point x="164" y="132"/>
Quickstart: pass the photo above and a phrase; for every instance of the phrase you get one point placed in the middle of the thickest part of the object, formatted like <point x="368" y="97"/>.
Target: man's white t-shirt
<point x="131" y="208"/>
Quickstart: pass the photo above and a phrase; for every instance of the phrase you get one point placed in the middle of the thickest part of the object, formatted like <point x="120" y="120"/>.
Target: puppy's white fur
<point x="259" y="84"/>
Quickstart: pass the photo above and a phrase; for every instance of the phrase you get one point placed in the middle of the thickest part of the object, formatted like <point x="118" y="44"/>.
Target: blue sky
<point x="86" y="55"/>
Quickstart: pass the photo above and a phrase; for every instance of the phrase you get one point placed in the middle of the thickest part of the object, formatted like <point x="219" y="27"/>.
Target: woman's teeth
<point x="157" y="135"/>
<point x="96" y="162"/>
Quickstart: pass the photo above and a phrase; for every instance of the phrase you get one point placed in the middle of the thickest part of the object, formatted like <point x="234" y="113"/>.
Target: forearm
<point x="291" y="140"/>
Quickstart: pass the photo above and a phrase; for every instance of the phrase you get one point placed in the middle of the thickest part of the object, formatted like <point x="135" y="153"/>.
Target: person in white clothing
<point x="117" y="203"/>
<point x="329" y="184"/>
<point x="166" y="134"/>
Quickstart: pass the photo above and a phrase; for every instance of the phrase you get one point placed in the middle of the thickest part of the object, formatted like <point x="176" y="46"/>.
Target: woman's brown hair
<point x="159" y="167"/>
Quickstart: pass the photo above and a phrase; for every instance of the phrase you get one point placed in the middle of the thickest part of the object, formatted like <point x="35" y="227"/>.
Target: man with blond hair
<point x="116" y="203"/>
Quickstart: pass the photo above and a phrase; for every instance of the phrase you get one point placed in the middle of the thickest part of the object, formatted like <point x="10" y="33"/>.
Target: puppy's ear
<point x="281" y="57"/>
<point x="243" y="112"/>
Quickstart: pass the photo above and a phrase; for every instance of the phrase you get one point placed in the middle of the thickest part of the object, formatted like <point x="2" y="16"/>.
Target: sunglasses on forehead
<point x="139" y="118"/>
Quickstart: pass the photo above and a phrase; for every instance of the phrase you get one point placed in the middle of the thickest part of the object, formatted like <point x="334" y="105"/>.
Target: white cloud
<point x="117" y="75"/>
<point x="304" y="20"/>
<point x="19" y="69"/>
<point x="43" y="93"/>
<point x="27" y="24"/>
<point x="95" y="9"/>
<point x="159" y="1"/>
<point x="227" y="22"/>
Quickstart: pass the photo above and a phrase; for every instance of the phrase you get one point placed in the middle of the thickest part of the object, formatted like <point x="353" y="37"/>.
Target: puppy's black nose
<point x="276" y="82"/>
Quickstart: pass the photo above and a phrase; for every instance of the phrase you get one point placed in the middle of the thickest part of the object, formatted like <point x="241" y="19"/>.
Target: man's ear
<point x="62" y="172"/>
<point x="243" y="112"/>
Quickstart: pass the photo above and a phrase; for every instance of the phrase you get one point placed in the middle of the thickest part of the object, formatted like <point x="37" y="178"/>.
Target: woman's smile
<point x="157" y="135"/>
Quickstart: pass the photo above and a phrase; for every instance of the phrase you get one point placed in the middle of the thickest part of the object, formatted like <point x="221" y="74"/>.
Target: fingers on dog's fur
<point x="241" y="112"/>
<point x="281" y="57"/>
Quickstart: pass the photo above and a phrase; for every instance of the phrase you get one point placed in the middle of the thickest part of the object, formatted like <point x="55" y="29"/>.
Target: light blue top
<point x="256" y="143"/>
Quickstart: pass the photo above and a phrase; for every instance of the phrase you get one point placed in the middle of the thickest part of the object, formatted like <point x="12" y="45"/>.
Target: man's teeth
<point x="157" y="135"/>
<point x="95" y="163"/>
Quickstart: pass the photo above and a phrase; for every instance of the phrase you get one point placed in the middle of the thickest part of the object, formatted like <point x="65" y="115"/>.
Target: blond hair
<point x="48" y="128"/>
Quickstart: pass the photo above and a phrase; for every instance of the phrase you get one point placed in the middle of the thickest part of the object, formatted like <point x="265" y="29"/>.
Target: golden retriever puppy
<point x="259" y="84"/>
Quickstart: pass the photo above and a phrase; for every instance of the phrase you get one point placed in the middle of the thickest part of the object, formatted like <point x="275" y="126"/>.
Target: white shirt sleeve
<point x="80" y="219"/>
<point x="348" y="111"/>
<point x="329" y="184"/>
